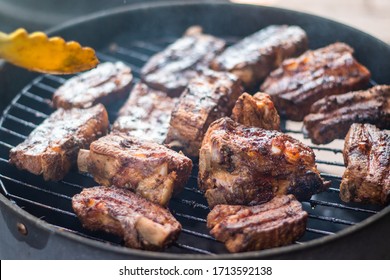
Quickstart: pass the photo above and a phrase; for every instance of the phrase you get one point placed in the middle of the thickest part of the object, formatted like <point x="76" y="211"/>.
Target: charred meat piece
<point x="51" y="149"/>
<point x="257" y="110"/>
<point x="299" y="82"/>
<point x="332" y="116"/>
<point x="208" y="97"/>
<point x="278" y="222"/>
<point x="367" y="158"/>
<point x="146" y="114"/>
<point x="142" y="224"/>
<point x="249" y="165"/>
<point x="149" y="169"/>
<point x="254" y="57"/>
<point x="172" y="69"/>
<point x="105" y="84"/>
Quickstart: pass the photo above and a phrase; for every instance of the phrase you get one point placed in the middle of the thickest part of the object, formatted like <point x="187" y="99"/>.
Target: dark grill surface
<point x="51" y="201"/>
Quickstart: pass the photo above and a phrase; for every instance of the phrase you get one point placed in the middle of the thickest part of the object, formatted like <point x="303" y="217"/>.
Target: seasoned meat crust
<point x="248" y="165"/>
<point x="107" y="83"/>
<point x="172" y="69"/>
<point x="147" y="168"/>
<point x="142" y="224"/>
<point x="51" y="149"/>
<point x="276" y="223"/>
<point x="299" y="82"/>
<point x="332" y="116"/>
<point x="146" y="114"/>
<point x="208" y="97"/>
<point x="255" y="56"/>
<point x="367" y="158"/>
<point x="257" y="110"/>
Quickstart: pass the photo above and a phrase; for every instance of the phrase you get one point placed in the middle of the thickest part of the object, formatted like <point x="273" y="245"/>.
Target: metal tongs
<point x="39" y="53"/>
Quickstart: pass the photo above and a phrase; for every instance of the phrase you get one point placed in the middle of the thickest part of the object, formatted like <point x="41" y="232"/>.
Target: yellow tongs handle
<point x="39" y="53"/>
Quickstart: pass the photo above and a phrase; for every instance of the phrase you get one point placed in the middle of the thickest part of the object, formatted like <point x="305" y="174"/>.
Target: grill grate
<point x="51" y="201"/>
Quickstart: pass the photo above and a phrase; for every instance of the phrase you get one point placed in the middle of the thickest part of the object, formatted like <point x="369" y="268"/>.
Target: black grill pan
<point x="37" y="220"/>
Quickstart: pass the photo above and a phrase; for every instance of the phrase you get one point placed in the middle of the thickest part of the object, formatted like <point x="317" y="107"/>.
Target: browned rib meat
<point x="332" y="116"/>
<point x="257" y="110"/>
<point x="254" y="57"/>
<point x="299" y="82"/>
<point x="367" y="158"/>
<point x="107" y="83"/>
<point x="51" y="148"/>
<point x="173" y="68"/>
<point x="149" y="169"/>
<point x="278" y="222"/>
<point x="142" y="224"/>
<point x="249" y="165"/>
<point x="208" y="97"/>
<point x="146" y="114"/>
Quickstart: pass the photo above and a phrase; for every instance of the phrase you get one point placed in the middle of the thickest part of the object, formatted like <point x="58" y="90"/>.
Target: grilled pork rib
<point x="149" y="169"/>
<point x="146" y="114"/>
<point x="51" y="149"/>
<point x="367" y="158"/>
<point x="255" y="56"/>
<point x="278" y="222"/>
<point x="257" y="110"/>
<point x="249" y="165"/>
<point x="299" y="82"/>
<point x="142" y="224"/>
<point x="172" y="69"/>
<point x="332" y="116"/>
<point x="208" y="97"/>
<point x="107" y="83"/>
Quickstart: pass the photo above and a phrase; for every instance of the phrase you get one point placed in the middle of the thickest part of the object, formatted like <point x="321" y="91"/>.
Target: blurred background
<point x="371" y="16"/>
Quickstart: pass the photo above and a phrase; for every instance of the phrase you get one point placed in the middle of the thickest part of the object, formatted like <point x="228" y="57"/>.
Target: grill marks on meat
<point x="367" y="158"/>
<point x="208" y="97"/>
<point x="278" y="222"/>
<point x="255" y="56"/>
<point x="299" y="82"/>
<point x="172" y="69"/>
<point x="332" y="116"/>
<point x="149" y="169"/>
<point x="146" y="114"/>
<point x="107" y="83"/>
<point x="51" y="149"/>
<point x="257" y="110"/>
<point x="142" y="224"/>
<point x="249" y="165"/>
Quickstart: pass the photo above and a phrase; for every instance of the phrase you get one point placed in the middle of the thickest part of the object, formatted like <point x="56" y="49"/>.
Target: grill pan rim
<point x="147" y="254"/>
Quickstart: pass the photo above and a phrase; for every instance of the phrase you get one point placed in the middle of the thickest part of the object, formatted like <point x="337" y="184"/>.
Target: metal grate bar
<point x="193" y="249"/>
<point x="330" y="176"/>
<point x="18" y="120"/>
<point x="193" y="190"/>
<point x="323" y="232"/>
<point x="35" y="187"/>
<point x="46" y="87"/>
<point x="12" y="132"/>
<point x="55" y="78"/>
<point x="193" y="204"/>
<point x="341" y="206"/>
<point x="147" y="46"/>
<point x="6" y="145"/>
<point x="330" y="162"/>
<point x="332" y="219"/>
<point x="189" y="217"/>
<point x="30" y="110"/>
<point x="206" y="236"/>
<point x="36" y="97"/>
<point x="131" y="53"/>
<point x="42" y="205"/>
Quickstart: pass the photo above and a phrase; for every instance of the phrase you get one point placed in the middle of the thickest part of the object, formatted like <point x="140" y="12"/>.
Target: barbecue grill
<point x="36" y="218"/>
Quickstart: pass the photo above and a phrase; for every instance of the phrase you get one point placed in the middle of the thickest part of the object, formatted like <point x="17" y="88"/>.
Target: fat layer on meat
<point x="142" y="224"/>
<point x="146" y="114"/>
<point x="299" y="82"/>
<point x="147" y="168"/>
<point x="257" y="110"/>
<point x="248" y="165"/>
<point x="171" y="69"/>
<point x="332" y="116"/>
<point x="255" y="56"/>
<point x="276" y="223"/>
<point x="367" y="159"/>
<point x="107" y="83"/>
<point x="51" y="149"/>
<point x="208" y="97"/>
